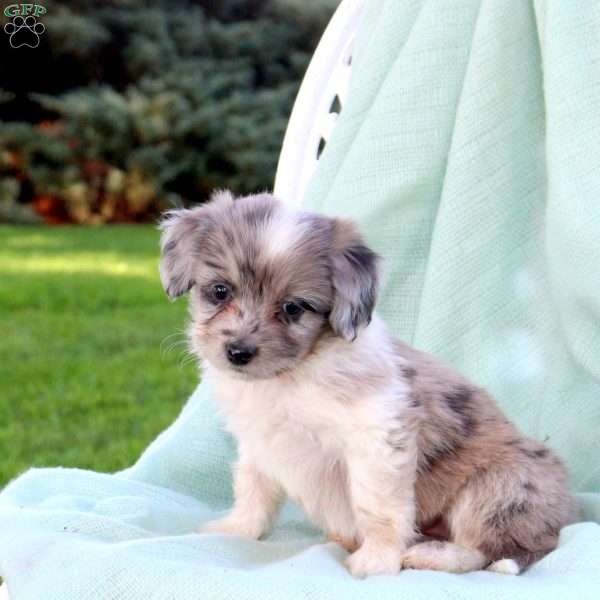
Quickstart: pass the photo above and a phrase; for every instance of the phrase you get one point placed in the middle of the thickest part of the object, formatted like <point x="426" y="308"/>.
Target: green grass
<point x="84" y="380"/>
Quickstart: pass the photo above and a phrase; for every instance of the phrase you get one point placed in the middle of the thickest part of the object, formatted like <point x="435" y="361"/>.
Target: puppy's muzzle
<point x="240" y="355"/>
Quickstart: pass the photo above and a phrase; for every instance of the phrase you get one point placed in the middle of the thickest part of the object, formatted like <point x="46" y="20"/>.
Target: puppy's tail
<point x="505" y="566"/>
<point x="518" y="563"/>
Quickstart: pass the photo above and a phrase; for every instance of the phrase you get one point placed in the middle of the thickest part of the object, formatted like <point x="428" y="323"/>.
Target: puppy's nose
<point x="240" y="355"/>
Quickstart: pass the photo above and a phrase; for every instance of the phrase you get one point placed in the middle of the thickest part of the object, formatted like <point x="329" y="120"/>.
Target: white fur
<point x="305" y="435"/>
<point x="282" y="233"/>
<point x="505" y="566"/>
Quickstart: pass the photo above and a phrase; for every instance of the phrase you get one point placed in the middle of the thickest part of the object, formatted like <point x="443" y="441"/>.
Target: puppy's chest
<point x="292" y="432"/>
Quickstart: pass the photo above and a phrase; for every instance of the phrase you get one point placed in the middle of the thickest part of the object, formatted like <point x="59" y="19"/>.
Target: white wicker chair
<point x="321" y="97"/>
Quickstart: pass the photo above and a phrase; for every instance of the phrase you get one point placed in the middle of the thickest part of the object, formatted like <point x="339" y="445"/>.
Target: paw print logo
<point x="24" y="31"/>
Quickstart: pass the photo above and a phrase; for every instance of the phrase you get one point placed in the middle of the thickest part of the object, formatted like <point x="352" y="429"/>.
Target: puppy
<point x="377" y="441"/>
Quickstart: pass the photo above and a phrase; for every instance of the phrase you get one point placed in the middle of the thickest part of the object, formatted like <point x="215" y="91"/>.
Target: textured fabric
<point x="469" y="151"/>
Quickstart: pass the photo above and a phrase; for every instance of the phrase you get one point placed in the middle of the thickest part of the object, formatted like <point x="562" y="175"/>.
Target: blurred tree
<point x="142" y="103"/>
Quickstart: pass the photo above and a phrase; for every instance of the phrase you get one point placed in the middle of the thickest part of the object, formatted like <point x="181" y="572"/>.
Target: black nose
<point x="240" y="355"/>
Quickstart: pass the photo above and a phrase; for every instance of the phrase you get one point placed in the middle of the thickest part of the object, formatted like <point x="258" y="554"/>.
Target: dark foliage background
<point x="129" y="106"/>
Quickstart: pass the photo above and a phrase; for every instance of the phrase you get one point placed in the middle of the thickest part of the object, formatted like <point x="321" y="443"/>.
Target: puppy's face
<point x="266" y="282"/>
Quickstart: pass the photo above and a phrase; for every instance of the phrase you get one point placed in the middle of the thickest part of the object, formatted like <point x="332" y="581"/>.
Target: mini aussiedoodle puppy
<point x="377" y="441"/>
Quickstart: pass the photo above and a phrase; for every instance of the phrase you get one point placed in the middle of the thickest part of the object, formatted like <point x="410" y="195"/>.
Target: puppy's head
<point x="266" y="282"/>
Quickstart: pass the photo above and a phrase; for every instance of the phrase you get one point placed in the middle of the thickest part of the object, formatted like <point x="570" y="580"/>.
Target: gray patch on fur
<point x="408" y="372"/>
<point x="459" y="401"/>
<point x="414" y="400"/>
<point x="503" y="518"/>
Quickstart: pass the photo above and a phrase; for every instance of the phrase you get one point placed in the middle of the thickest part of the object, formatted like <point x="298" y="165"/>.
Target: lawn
<point x="88" y="372"/>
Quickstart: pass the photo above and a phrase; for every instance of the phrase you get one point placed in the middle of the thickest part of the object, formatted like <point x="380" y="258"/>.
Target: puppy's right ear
<point x="182" y="231"/>
<point x="182" y="239"/>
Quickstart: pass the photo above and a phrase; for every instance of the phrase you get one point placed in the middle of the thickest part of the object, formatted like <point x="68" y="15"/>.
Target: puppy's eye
<point x="292" y="310"/>
<point x="220" y="292"/>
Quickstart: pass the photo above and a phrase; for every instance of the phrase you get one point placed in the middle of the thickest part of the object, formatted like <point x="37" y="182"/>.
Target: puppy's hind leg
<point x="511" y="513"/>
<point x="443" y="556"/>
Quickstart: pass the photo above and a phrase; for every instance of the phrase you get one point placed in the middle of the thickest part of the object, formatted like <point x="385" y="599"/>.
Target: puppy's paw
<point x="232" y="526"/>
<point x="443" y="556"/>
<point x="372" y="559"/>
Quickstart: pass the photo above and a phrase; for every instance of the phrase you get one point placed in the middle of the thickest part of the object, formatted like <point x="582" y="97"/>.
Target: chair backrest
<point x="319" y="101"/>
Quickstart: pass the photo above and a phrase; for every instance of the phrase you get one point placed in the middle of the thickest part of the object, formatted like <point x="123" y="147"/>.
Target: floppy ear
<point x="181" y="230"/>
<point x="355" y="280"/>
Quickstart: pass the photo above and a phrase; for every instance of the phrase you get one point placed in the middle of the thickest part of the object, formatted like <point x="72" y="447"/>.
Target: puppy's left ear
<point x="179" y="242"/>
<point x="355" y="279"/>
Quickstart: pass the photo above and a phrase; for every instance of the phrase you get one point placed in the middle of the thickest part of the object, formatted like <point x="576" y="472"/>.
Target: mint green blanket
<point x="470" y="152"/>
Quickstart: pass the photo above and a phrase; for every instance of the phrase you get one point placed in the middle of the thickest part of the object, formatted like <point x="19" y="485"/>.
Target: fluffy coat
<point x="378" y="442"/>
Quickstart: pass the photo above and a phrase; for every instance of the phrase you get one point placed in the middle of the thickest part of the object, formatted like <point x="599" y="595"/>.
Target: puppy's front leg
<point x="382" y="490"/>
<point x="257" y="500"/>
